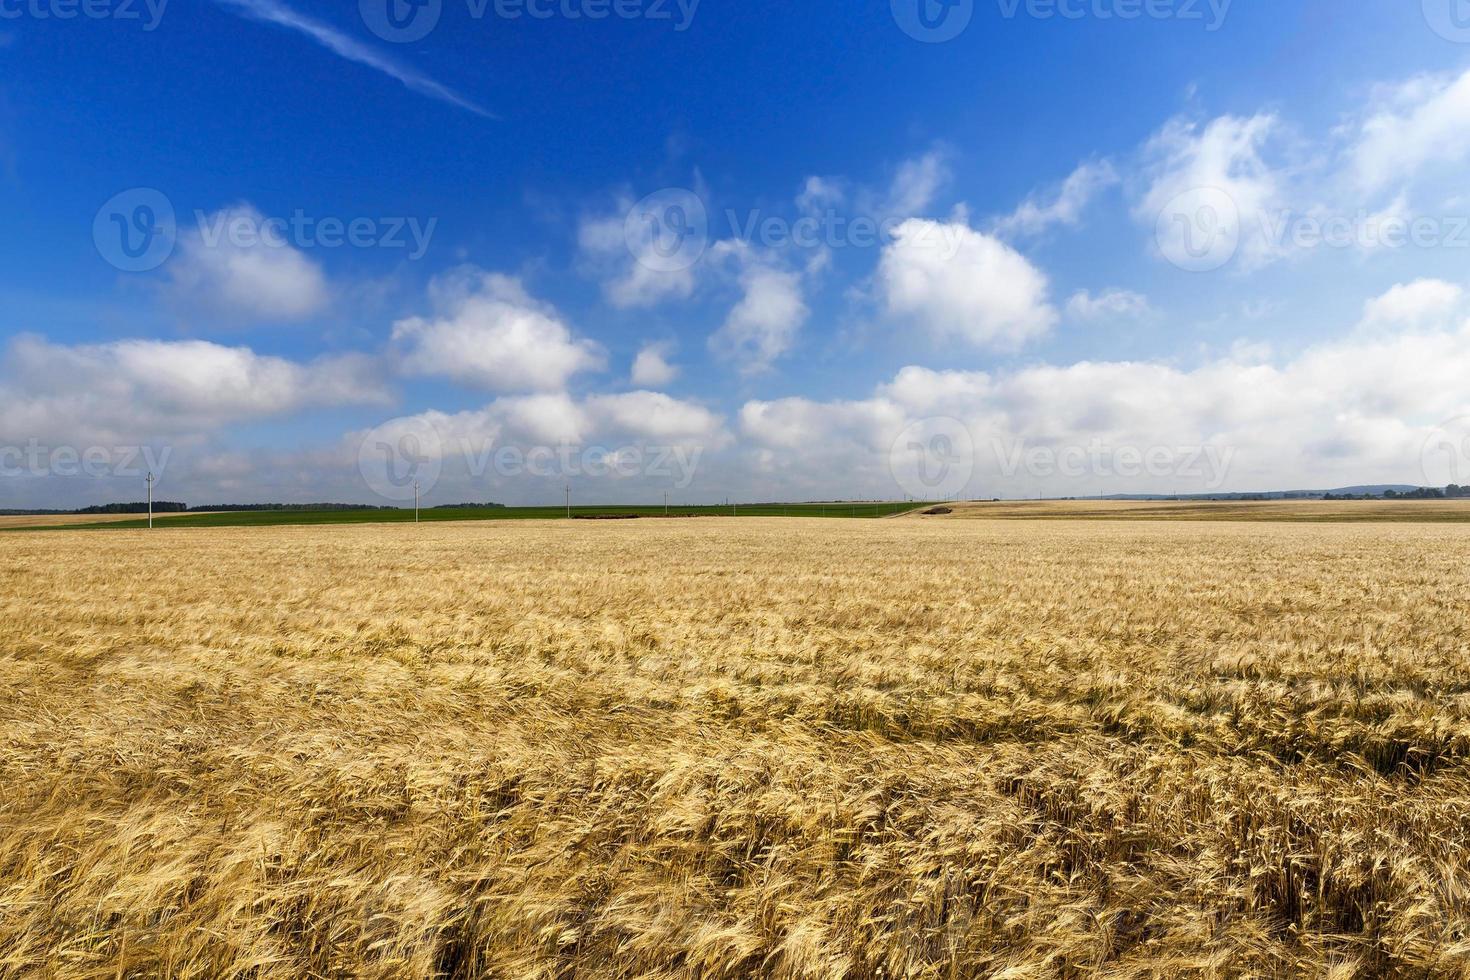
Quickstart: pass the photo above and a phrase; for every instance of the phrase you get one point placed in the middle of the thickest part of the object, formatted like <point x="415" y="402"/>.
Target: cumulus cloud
<point x="916" y="184"/>
<point x="232" y="265"/>
<point x="1062" y="205"/>
<point x="1251" y="189"/>
<point x="654" y="416"/>
<point x="820" y="193"/>
<point x="1414" y="304"/>
<point x="958" y="283"/>
<point x="1417" y="125"/>
<point x="150" y="389"/>
<point x="1110" y="304"/>
<point x="651" y="368"/>
<point x="631" y="280"/>
<point x="1224" y="156"/>
<point x="629" y="446"/>
<point x="489" y="333"/>
<point x="764" y="324"/>
<point x="560" y="419"/>
<point x="1350" y="411"/>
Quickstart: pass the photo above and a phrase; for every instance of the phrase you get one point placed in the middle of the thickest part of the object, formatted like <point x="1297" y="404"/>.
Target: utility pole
<point x="150" y="500"/>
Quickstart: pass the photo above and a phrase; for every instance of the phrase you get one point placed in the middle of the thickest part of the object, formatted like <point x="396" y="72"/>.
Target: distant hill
<point x="1367" y="490"/>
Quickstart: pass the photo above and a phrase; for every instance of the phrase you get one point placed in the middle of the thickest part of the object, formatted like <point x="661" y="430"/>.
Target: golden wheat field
<point x="62" y="520"/>
<point x="719" y="748"/>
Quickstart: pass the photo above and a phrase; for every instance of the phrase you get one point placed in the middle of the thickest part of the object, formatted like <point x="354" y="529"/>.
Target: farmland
<point x="1283" y="511"/>
<point x="406" y="515"/>
<point x="927" y="747"/>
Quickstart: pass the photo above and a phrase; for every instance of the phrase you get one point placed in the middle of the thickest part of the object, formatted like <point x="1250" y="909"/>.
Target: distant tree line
<point x="174" y="507"/>
<point x="289" y="508"/>
<point x="1452" y="492"/>
<point x="470" y="507"/>
<point x="159" y="507"/>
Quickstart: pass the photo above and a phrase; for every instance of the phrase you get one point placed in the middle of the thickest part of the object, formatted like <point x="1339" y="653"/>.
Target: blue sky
<point x="1072" y="249"/>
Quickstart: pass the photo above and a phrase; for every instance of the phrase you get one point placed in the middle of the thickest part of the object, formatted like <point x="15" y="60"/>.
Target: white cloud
<point x="654" y="416"/>
<point x="489" y="333"/>
<point x="1108" y="305"/>
<point x="227" y="266"/>
<point x="1422" y="123"/>
<point x="812" y="429"/>
<point x="559" y="419"/>
<point x="651" y="368"/>
<point x="1247" y="188"/>
<point x="1064" y="205"/>
<point x="631" y="281"/>
<point x="916" y="184"/>
<point x="524" y="449"/>
<point x="1224" y="156"/>
<point x="959" y="283"/>
<point x="764" y="324"/>
<point x="818" y="194"/>
<point x="148" y="389"/>
<point x="1412" y="304"/>
<point x="1352" y="411"/>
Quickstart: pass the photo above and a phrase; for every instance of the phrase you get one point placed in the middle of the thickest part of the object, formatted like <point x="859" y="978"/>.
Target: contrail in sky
<point x="275" y="12"/>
